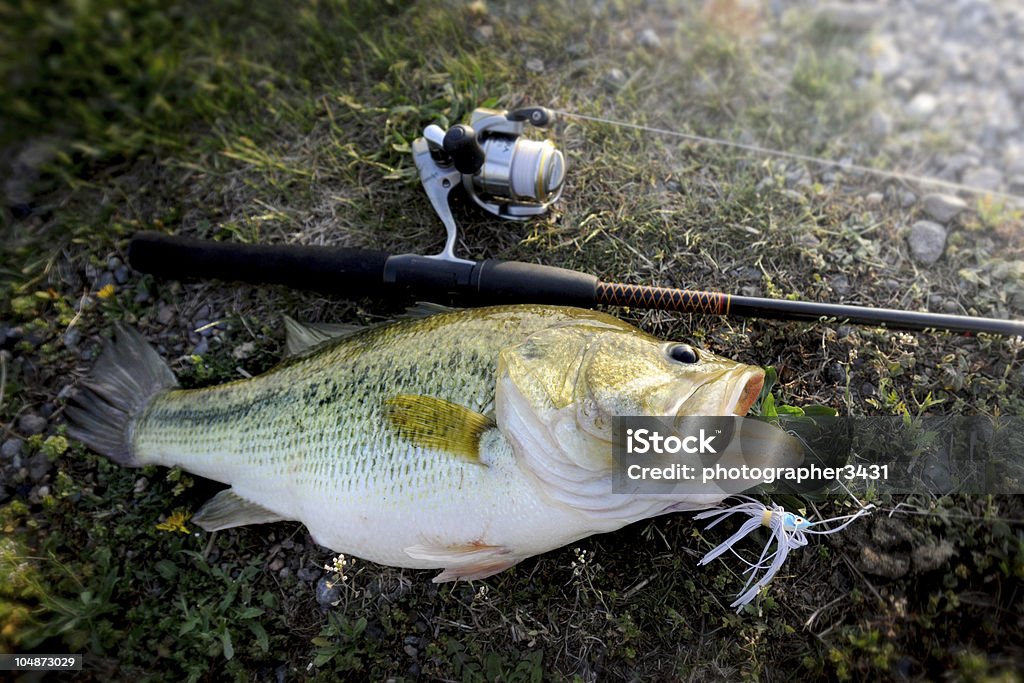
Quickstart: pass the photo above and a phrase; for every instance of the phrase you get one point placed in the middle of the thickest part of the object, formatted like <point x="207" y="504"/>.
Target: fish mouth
<point x="731" y="392"/>
<point x="745" y="390"/>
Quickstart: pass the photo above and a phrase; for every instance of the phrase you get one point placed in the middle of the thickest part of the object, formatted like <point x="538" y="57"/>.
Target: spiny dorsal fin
<point x="227" y="509"/>
<point x="424" y="309"/>
<point x="431" y="422"/>
<point x="299" y="337"/>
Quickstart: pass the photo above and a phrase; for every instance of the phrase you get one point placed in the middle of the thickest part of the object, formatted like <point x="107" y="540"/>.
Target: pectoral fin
<point x="227" y="509"/>
<point x="432" y="422"/>
<point x="468" y="561"/>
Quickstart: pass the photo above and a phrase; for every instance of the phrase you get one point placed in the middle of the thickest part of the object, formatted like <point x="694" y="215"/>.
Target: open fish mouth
<point x="744" y="391"/>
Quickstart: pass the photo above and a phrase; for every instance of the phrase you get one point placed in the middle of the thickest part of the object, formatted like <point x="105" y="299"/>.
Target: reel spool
<point x="505" y="173"/>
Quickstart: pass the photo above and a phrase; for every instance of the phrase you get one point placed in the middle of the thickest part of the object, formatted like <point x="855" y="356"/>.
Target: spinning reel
<point x="505" y="173"/>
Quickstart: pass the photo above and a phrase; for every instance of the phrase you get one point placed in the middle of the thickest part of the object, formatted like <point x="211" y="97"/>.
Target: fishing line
<point x="768" y="151"/>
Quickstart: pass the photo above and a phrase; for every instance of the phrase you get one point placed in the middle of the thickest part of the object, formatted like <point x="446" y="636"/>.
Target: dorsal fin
<point x="423" y="309"/>
<point x="431" y="422"/>
<point x="300" y="337"/>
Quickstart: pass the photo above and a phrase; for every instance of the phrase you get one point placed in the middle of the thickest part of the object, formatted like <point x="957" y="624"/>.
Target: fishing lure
<point x="788" y="532"/>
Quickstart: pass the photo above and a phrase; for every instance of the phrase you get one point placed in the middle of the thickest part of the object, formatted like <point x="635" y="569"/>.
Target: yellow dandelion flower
<point x="106" y="291"/>
<point x="175" y="522"/>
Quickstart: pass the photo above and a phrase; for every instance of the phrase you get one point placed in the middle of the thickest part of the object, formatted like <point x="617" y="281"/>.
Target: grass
<point x="260" y="122"/>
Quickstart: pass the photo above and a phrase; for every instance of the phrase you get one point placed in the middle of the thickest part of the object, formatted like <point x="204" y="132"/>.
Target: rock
<point x="308" y="574"/>
<point x="985" y="177"/>
<point x="614" y="78"/>
<point x="648" y="38"/>
<point x="936" y="472"/>
<point x="285" y="572"/>
<point x="836" y="373"/>
<point x="30" y="424"/>
<point x="943" y="207"/>
<point x="11" y="449"/>
<point x="1008" y="270"/>
<point x="38" y="465"/>
<point x="328" y="592"/>
<point x="888" y="533"/>
<point x="122" y="274"/>
<point x="165" y="314"/>
<point x="928" y="558"/>
<point x="840" y="284"/>
<point x="886" y="565"/>
<point x="957" y="163"/>
<point x="858" y="16"/>
<point x="276" y="565"/>
<point x="483" y="34"/>
<point x="883" y="59"/>
<point x="535" y="65"/>
<point x="105" y="278"/>
<point x="140" y="485"/>
<point x="874" y="199"/>
<point x="201" y="347"/>
<point x="922" y="105"/>
<point x="927" y="241"/>
<point x="907" y="199"/>
<point x="72" y="337"/>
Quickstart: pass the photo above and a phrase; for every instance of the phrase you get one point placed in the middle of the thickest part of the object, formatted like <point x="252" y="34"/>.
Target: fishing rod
<point x="512" y="177"/>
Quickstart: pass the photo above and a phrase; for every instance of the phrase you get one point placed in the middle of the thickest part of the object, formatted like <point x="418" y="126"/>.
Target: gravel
<point x="985" y="177"/>
<point x="308" y="574"/>
<point x="328" y="592"/>
<point x="38" y="465"/>
<point x="11" y="448"/>
<point x="30" y="424"/>
<point x="927" y="241"/>
<point x="943" y="207"/>
<point x="954" y="69"/>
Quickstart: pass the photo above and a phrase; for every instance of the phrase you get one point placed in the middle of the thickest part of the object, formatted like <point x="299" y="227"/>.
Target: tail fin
<point x="125" y="379"/>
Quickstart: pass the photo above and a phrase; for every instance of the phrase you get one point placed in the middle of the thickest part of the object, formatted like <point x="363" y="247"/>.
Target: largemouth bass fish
<point x="467" y="440"/>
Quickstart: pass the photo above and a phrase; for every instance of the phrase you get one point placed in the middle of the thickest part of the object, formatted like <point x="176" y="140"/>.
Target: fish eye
<point x="683" y="353"/>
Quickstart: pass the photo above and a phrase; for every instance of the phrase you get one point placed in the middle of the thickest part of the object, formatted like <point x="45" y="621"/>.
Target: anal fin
<point x="227" y="509"/>
<point x="469" y="561"/>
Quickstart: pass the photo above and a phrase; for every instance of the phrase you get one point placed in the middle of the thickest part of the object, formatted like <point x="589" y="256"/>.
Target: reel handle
<point x="462" y="145"/>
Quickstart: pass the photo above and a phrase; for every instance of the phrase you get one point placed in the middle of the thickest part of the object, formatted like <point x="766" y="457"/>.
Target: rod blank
<point x="351" y="273"/>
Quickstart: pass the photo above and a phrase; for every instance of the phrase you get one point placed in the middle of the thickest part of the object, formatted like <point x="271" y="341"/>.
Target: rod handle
<point x="331" y="270"/>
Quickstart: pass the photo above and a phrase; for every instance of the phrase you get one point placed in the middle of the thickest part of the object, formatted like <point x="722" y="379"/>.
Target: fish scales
<point x="307" y="436"/>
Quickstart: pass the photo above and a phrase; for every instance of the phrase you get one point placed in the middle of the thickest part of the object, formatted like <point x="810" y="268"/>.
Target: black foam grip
<point x="514" y="281"/>
<point x="331" y="270"/>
